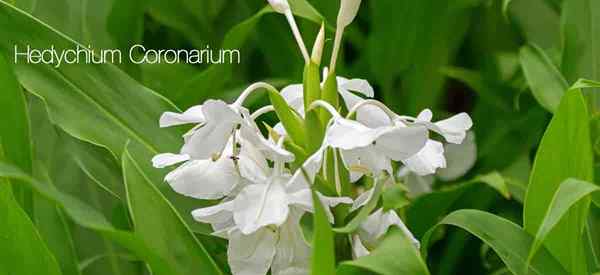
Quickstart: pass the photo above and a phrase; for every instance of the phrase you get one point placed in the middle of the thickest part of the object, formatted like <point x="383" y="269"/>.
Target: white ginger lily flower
<point x="371" y="150"/>
<point x="217" y="122"/>
<point x="374" y="228"/>
<point x="262" y="221"/>
<point x="212" y="178"/>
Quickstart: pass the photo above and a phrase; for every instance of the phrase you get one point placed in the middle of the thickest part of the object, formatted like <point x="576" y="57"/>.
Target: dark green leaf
<point x="545" y="81"/>
<point x="507" y="239"/>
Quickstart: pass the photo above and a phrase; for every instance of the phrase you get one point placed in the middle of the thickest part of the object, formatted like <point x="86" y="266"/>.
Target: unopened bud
<point x="317" y="51"/>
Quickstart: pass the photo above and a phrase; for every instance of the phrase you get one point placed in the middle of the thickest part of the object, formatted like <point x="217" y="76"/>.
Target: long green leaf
<point x="545" y="81"/>
<point x="323" y="248"/>
<point x="565" y="152"/>
<point x="581" y="43"/>
<point x="23" y="250"/>
<point x="570" y="192"/>
<point x="292" y="122"/>
<point x="88" y="217"/>
<point x="96" y="103"/>
<point x="157" y="223"/>
<point x="395" y="255"/>
<point x="507" y="239"/>
<point x="15" y="136"/>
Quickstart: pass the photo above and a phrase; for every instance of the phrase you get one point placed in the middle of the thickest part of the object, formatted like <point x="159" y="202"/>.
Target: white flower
<point x="371" y="150"/>
<point x="283" y="250"/>
<point x="453" y="129"/>
<point x="374" y="228"/>
<point x="212" y="179"/>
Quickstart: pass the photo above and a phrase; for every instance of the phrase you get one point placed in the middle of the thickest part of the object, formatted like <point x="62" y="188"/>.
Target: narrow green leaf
<point x="323" y="248"/>
<point x="510" y="242"/>
<point x="330" y="94"/>
<point x="15" y="136"/>
<point x="157" y="223"/>
<point x="94" y="102"/>
<point x="292" y="122"/>
<point x="565" y="152"/>
<point x="23" y="250"/>
<point x="570" y="192"/>
<point x="88" y="217"/>
<point x="496" y="181"/>
<point x="580" y="29"/>
<point x="395" y="255"/>
<point x="546" y="83"/>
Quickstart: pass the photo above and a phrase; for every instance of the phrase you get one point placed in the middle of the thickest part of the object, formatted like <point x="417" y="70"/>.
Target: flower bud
<point x="348" y="11"/>
<point x="280" y="6"/>
<point x="317" y="51"/>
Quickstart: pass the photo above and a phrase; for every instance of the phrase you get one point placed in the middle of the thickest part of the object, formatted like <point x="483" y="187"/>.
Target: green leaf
<point x="395" y="255"/>
<point x="496" y="181"/>
<point x="545" y="81"/>
<point x="510" y="242"/>
<point x="365" y="210"/>
<point x="23" y="250"/>
<point x="95" y="102"/>
<point x="570" y="192"/>
<point x="292" y="122"/>
<point x="88" y="217"/>
<point x="157" y="223"/>
<point x="580" y="29"/>
<point x="566" y="141"/>
<point x="323" y="248"/>
<point x="14" y="136"/>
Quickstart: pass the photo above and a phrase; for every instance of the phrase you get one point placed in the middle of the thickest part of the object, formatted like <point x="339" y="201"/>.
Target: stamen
<point x="290" y="18"/>
<point x="262" y="111"/>
<point x="391" y="115"/>
<point x="325" y="105"/>
<point x="252" y="88"/>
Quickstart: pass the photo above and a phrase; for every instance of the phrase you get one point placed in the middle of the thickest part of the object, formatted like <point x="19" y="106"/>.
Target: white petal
<point x="251" y="254"/>
<point x="418" y="185"/>
<point x="399" y="143"/>
<point x="356" y="85"/>
<point x="211" y="138"/>
<point x="293" y="253"/>
<point x="168" y="159"/>
<point x="279" y="129"/>
<point x="302" y="199"/>
<point x="362" y="199"/>
<point x="425" y="115"/>
<point x="370" y="228"/>
<point x="358" y="249"/>
<point x="390" y="218"/>
<point x="294" y="96"/>
<point x="348" y="11"/>
<point x="260" y="205"/>
<point x="454" y="129"/>
<point x="219" y="213"/>
<point x="368" y="158"/>
<point x="280" y="6"/>
<point x="311" y="167"/>
<point x="252" y="163"/>
<point x="460" y="158"/>
<point x="348" y="134"/>
<point x="191" y="115"/>
<point x="428" y="160"/>
<point x="204" y="179"/>
<point x="251" y="133"/>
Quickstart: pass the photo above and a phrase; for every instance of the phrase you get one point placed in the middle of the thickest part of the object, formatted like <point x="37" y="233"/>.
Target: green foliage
<point x="157" y="223"/>
<point x="566" y="141"/>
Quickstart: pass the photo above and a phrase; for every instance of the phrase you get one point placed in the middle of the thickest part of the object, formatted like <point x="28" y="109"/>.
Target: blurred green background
<point x="447" y="55"/>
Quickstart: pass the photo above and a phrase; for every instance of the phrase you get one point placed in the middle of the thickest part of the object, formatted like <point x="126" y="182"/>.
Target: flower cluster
<point x="264" y="185"/>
